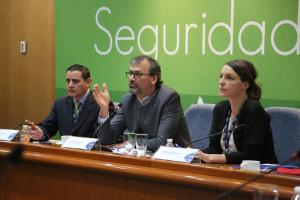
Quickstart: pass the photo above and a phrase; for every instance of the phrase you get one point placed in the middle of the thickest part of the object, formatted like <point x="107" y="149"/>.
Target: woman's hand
<point x="211" y="158"/>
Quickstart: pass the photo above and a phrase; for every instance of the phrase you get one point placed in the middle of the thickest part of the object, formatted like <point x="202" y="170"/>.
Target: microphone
<point x="112" y="114"/>
<point x="239" y="127"/>
<point x="223" y="195"/>
<point x="15" y="155"/>
<point x="13" y="158"/>
<point x="24" y="122"/>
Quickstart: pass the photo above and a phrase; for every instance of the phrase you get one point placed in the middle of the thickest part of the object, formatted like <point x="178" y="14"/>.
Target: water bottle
<point x="25" y="134"/>
<point x="296" y="195"/>
<point x="169" y="143"/>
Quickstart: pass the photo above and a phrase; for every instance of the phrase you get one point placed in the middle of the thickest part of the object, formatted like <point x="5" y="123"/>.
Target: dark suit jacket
<point x="161" y="117"/>
<point x="254" y="142"/>
<point x="60" y="118"/>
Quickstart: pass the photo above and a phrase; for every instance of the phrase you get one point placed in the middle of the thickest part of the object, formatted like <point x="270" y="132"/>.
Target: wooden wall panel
<point x="5" y="7"/>
<point x="28" y="81"/>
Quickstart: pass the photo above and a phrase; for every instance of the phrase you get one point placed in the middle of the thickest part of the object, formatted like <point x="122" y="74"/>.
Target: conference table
<point x="54" y="173"/>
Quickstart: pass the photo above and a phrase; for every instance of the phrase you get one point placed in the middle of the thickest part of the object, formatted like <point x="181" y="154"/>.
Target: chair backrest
<point x="285" y="124"/>
<point x="198" y="118"/>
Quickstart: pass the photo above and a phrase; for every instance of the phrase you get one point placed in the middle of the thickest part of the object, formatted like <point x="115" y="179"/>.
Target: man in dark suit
<point x="150" y="107"/>
<point x="75" y="114"/>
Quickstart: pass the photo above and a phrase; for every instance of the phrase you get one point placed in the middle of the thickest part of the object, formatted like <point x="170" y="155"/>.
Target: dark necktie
<point x="77" y="105"/>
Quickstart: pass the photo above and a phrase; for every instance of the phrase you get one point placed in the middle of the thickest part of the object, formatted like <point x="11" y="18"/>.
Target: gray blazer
<point x="160" y="116"/>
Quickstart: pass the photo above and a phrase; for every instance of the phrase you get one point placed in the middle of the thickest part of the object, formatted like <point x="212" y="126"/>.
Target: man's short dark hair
<point x="84" y="70"/>
<point x="154" y="68"/>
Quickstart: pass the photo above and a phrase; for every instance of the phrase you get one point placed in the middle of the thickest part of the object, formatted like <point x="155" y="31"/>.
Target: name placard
<point x="8" y="134"/>
<point x="175" y="154"/>
<point x="79" y="143"/>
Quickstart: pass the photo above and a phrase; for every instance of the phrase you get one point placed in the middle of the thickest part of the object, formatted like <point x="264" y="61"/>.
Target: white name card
<point x="175" y="154"/>
<point x="8" y="134"/>
<point x="79" y="143"/>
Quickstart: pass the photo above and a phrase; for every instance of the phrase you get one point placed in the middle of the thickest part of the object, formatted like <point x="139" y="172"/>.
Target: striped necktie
<point x="77" y="105"/>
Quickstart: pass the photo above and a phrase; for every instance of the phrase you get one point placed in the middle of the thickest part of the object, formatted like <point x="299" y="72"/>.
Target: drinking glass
<point x="265" y="192"/>
<point x="141" y="141"/>
<point x="129" y="141"/>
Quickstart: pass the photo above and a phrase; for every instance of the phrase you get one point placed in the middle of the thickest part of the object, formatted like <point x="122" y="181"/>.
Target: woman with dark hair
<point x="254" y="140"/>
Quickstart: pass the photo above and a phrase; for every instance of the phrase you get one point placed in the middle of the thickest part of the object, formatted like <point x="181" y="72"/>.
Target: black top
<point x="253" y="142"/>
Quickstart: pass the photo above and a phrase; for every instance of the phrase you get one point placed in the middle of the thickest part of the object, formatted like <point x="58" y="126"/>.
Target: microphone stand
<point x="21" y="124"/>
<point x="13" y="158"/>
<point x="232" y="191"/>
<point x="255" y="178"/>
<point x="209" y="136"/>
<point x="109" y="117"/>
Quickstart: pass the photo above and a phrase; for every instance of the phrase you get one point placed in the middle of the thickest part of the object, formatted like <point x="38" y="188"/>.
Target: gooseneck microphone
<point x="21" y="124"/>
<point x="239" y="127"/>
<point x="112" y="114"/>
<point x="223" y="195"/>
<point x="13" y="158"/>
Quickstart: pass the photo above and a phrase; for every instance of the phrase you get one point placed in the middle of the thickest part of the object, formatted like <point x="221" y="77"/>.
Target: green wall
<point x="191" y="39"/>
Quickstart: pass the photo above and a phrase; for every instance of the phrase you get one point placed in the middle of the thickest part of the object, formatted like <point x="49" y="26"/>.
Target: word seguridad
<point x="126" y="34"/>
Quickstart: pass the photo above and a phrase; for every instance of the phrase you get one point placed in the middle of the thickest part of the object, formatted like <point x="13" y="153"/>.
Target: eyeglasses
<point x="136" y="75"/>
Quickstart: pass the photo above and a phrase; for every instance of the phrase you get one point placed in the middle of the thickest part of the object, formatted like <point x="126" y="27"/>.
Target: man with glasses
<point x="150" y="107"/>
<point x="75" y="114"/>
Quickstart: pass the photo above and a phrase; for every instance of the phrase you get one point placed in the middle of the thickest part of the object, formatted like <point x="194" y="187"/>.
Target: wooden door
<point x="26" y="80"/>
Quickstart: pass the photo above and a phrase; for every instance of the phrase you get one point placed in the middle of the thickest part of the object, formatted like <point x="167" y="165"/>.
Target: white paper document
<point x="8" y="134"/>
<point x="175" y="154"/>
<point x="79" y="143"/>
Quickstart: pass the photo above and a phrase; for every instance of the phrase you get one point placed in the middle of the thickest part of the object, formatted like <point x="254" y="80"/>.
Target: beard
<point x="133" y="89"/>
